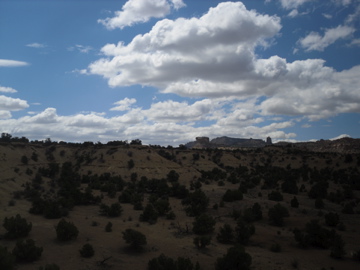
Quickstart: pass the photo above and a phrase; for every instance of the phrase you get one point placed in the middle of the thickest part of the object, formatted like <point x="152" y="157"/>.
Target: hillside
<point x="55" y="172"/>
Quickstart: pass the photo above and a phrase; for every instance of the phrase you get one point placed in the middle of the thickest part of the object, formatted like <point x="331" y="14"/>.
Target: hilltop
<point x="62" y="175"/>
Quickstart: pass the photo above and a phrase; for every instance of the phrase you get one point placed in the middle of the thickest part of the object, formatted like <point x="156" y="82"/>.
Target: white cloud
<point x="217" y="46"/>
<point x="340" y="137"/>
<point x="81" y="48"/>
<point x="327" y="16"/>
<point x="137" y="11"/>
<point x="12" y="63"/>
<point x="5" y="114"/>
<point x="124" y="104"/>
<point x="355" y="42"/>
<point x="293" y="4"/>
<point x="36" y="45"/>
<point x="4" y="89"/>
<point x="12" y="104"/>
<point x="314" y="41"/>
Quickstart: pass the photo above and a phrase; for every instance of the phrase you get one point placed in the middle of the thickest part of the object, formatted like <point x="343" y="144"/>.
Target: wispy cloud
<point x="81" y="48"/>
<point x="12" y="63"/>
<point x="36" y="45"/>
<point x="315" y="42"/>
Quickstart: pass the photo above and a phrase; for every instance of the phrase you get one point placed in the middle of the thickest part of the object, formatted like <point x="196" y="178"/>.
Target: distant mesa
<point x="204" y="142"/>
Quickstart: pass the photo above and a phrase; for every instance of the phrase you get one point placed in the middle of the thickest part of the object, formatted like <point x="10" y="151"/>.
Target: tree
<point x="149" y="214"/>
<point x="275" y="196"/>
<point x="277" y="213"/>
<point x="332" y="219"/>
<point x="7" y="260"/>
<point x="235" y="258"/>
<point x="294" y="202"/>
<point x="52" y="266"/>
<point x="108" y="227"/>
<point x="203" y="224"/>
<point x="337" y="247"/>
<point x="87" y="251"/>
<point x="232" y="195"/>
<point x="16" y="227"/>
<point x="66" y="231"/>
<point x="134" y="238"/>
<point x="243" y="232"/>
<point x="226" y="234"/>
<point x="26" y="251"/>
<point x="196" y="203"/>
<point x="114" y="210"/>
<point x="166" y="263"/>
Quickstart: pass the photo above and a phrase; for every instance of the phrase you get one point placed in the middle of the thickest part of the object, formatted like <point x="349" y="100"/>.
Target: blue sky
<point x="166" y="71"/>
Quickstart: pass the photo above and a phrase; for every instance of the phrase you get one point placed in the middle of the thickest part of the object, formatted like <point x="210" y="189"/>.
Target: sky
<point x="167" y="71"/>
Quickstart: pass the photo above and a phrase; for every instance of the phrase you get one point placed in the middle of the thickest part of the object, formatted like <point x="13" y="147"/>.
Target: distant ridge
<point x="342" y="145"/>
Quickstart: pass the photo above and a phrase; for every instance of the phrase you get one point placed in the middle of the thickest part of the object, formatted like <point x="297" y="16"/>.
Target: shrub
<point x="319" y="203"/>
<point x="52" y="266"/>
<point x="149" y="214"/>
<point x="202" y="241"/>
<point x="276" y="215"/>
<point x="7" y="260"/>
<point x="226" y="234"/>
<point x="166" y="263"/>
<point x="332" y="219"/>
<point x="275" y="247"/>
<point x="196" y="203"/>
<point x="66" y="231"/>
<point x="232" y="195"/>
<point x="235" y="258"/>
<point x="108" y="227"/>
<point x="114" y="210"/>
<point x="294" y="202"/>
<point x="243" y="232"/>
<point x="275" y="196"/>
<point x="87" y="251"/>
<point x="134" y="238"/>
<point x="203" y="224"/>
<point x="253" y="214"/>
<point x="26" y="251"/>
<point x="131" y="164"/>
<point x="337" y="247"/>
<point x="16" y="227"/>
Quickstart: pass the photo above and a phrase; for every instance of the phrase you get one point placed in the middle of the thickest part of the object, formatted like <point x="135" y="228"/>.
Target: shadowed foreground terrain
<point x="163" y="191"/>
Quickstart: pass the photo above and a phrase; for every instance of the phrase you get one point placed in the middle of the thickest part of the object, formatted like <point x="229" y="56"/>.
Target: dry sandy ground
<point x="164" y="236"/>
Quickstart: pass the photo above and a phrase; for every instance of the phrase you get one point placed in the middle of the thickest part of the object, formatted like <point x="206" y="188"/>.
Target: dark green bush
<point x="277" y="214"/>
<point x="87" y="251"/>
<point x="108" y="227"/>
<point x="26" y="251"/>
<point x="276" y="247"/>
<point x="232" y="195"/>
<point x="226" y="234"/>
<point x="166" y="263"/>
<point x="294" y="202"/>
<point x="134" y="238"/>
<point x="149" y="214"/>
<point x="52" y="266"/>
<point x="196" y="203"/>
<point x="114" y="210"/>
<point x="203" y="224"/>
<point x="243" y="232"/>
<point x="332" y="219"/>
<point x="16" y="227"/>
<point x="275" y="196"/>
<point x="66" y="231"/>
<point x="235" y="258"/>
<point x="7" y="260"/>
